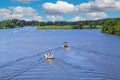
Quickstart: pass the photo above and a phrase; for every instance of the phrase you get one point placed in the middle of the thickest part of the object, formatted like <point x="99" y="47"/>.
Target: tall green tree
<point x="93" y="25"/>
<point x="112" y="26"/>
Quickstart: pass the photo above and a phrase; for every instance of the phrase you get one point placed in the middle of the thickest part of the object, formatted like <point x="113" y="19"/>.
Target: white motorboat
<point x="49" y="56"/>
<point x="65" y="45"/>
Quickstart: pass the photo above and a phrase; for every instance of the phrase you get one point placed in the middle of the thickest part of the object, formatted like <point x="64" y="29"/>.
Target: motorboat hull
<point x="49" y="56"/>
<point x="65" y="45"/>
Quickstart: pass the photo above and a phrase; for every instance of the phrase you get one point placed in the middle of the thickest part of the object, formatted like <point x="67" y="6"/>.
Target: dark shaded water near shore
<point x="92" y="55"/>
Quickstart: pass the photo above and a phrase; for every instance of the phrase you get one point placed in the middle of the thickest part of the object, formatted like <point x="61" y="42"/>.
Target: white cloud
<point x="24" y="1"/>
<point x="23" y="10"/>
<point x="94" y="9"/>
<point x="5" y="13"/>
<point x="91" y="6"/>
<point x="99" y="6"/>
<point x="54" y="18"/>
<point x="77" y="18"/>
<point x="58" y="8"/>
<point x="18" y="12"/>
<point x="36" y="18"/>
<point x="96" y="15"/>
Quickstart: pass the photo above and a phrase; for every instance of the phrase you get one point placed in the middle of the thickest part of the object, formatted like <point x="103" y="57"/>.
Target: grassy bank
<point x="68" y="27"/>
<point x="54" y="27"/>
<point x="88" y="27"/>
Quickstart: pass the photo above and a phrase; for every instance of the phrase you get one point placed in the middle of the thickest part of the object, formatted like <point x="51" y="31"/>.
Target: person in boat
<point x="49" y="55"/>
<point x="65" y="45"/>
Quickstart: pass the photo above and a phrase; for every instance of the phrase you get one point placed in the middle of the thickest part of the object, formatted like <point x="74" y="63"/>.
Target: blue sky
<point x="58" y="10"/>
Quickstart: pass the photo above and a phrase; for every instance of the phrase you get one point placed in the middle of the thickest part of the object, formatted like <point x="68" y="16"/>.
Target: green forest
<point x="112" y="26"/>
<point x="109" y="25"/>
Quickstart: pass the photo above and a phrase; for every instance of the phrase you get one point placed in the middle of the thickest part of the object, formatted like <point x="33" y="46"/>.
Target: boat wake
<point x="64" y="65"/>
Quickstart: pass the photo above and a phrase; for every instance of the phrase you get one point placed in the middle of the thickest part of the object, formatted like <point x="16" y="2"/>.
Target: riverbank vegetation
<point x="89" y="24"/>
<point x="15" y="23"/>
<point x="55" y="27"/>
<point x="110" y="25"/>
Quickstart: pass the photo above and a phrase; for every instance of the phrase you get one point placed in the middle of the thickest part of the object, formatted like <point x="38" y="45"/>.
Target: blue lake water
<point x="92" y="55"/>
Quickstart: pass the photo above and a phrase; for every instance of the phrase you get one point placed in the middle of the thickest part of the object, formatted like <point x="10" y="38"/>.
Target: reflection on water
<point x="22" y="56"/>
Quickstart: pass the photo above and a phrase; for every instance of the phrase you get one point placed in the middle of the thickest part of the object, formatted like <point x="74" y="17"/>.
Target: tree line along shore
<point x="109" y="25"/>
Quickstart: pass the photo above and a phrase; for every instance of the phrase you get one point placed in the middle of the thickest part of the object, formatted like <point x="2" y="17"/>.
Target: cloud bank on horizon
<point x="61" y="10"/>
<point x="24" y="1"/>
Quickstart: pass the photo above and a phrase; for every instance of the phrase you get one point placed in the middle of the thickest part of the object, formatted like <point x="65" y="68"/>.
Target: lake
<point x="92" y="55"/>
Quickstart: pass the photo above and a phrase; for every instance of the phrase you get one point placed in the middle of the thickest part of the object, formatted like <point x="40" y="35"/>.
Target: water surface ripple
<point x="91" y="56"/>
